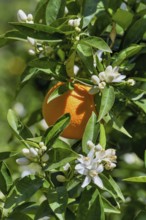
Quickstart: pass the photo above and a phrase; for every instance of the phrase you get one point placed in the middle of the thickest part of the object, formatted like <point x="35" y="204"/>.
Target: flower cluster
<point x="34" y="155"/>
<point x="23" y="18"/>
<point x="110" y="75"/>
<point x="75" y="23"/>
<point x="94" y="163"/>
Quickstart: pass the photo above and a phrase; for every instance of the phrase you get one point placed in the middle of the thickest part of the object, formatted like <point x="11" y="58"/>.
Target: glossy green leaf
<point x="58" y="92"/>
<point x="53" y="132"/>
<point x="88" y="11"/>
<point x="135" y="32"/>
<point x="70" y="64"/>
<point x="54" y="10"/>
<point x="20" y="130"/>
<point x="59" y="157"/>
<point x="90" y="206"/>
<point x="141" y="104"/>
<point x="102" y="136"/>
<point x="109" y="208"/>
<point x="107" y="101"/>
<point x="138" y="179"/>
<point x="10" y="36"/>
<point x="19" y="215"/>
<point x="5" y="178"/>
<point x="123" y="18"/>
<point x="96" y="42"/>
<point x="58" y="199"/>
<point x="91" y="132"/>
<point x="86" y="54"/>
<point x="127" y="53"/>
<point x="23" y="190"/>
<point x="117" y="189"/>
<point x="141" y="215"/>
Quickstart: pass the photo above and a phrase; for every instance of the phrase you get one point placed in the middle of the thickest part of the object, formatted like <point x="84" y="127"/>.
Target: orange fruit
<point x="78" y="102"/>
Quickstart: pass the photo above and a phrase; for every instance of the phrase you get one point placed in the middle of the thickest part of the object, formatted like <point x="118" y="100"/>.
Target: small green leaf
<point x="91" y="132"/>
<point x="53" y="132"/>
<point x="123" y="18"/>
<point x="117" y="189"/>
<point x="5" y="178"/>
<point x="4" y="155"/>
<point x="86" y="54"/>
<point x="90" y="206"/>
<point x="54" y="10"/>
<point x="138" y="179"/>
<point x="58" y="199"/>
<point x="70" y="64"/>
<point x="107" y="101"/>
<point x="96" y="42"/>
<point x="58" y="92"/>
<point x="59" y="157"/>
<point x="134" y="36"/>
<point x="20" y="130"/>
<point x="102" y="136"/>
<point x="109" y="208"/>
<point x="141" y="104"/>
<point x="127" y="53"/>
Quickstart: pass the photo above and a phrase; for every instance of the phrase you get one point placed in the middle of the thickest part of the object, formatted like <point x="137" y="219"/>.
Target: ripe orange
<point x="78" y="102"/>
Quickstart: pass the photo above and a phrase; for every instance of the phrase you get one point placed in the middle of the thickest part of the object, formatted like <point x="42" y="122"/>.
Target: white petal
<point x="22" y="17"/>
<point x="119" y="78"/>
<point x="95" y="79"/>
<point x="110" y="152"/>
<point x="97" y="180"/>
<point x="109" y="69"/>
<point x="86" y="182"/>
<point x="102" y="76"/>
<point x="93" y="90"/>
<point x="81" y="169"/>
<point x="115" y="69"/>
<point x="100" y="168"/>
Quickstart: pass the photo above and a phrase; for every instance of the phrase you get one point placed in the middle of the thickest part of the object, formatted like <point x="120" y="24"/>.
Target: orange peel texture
<point x="78" y="102"/>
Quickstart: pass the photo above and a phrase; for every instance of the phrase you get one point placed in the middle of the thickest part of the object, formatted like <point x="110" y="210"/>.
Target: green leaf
<point x="4" y="155"/>
<point x="117" y="125"/>
<point x="18" y="215"/>
<point x="141" y="104"/>
<point x="39" y="13"/>
<point x="70" y="64"/>
<point x="59" y="157"/>
<point x="20" y="130"/>
<point x="53" y="132"/>
<point x="58" y="92"/>
<point x="86" y="54"/>
<point x="88" y="11"/>
<point x="117" y="189"/>
<point x="109" y="208"/>
<point x="54" y="9"/>
<point x="102" y="137"/>
<point x="23" y="190"/>
<point x="123" y="18"/>
<point x="127" y="53"/>
<point x="10" y="36"/>
<point x="91" y="132"/>
<point x="135" y="32"/>
<point x="138" y="179"/>
<point x="58" y="199"/>
<point x="5" y="178"/>
<point x="96" y="42"/>
<point x="28" y="74"/>
<point x="90" y="206"/>
<point x="43" y="210"/>
<point x="141" y="215"/>
<point x="107" y="101"/>
<point x="39" y="31"/>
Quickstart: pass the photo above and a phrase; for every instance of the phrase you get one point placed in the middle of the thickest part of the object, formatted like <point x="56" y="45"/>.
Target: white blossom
<point x="111" y="75"/>
<point x="23" y="161"/>
<point x="21" y="16"/>
<point x="66" y="167"/>
<point x="131" y="82"/>
<point x="94" y="163"/>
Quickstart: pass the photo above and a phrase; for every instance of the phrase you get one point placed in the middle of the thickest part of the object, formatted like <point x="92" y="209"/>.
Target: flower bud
<point x="41" y="144"/>
<point x="95" y="79"/>
<point x="131" y="82"/>
<point x="26" y="152"/>
<point x="31" y="52"/>
<point x="77" y="38"/>
<point x="60" y="178"/>
<point x="33" y="152"/>
<point x="90" y="144"/>
<point x="66" y="166"/>
<point x="45" y="157"/>
<point x="77" y="22"/>
<point x="30" y="17"/>
<point x="23" y="161"/>
<point x="102" y="85"/>
<point x="22" y="17"/>
<point x="71" y="22"/>
<point x="32" y="41"/>
<point x="78" y="29"/>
